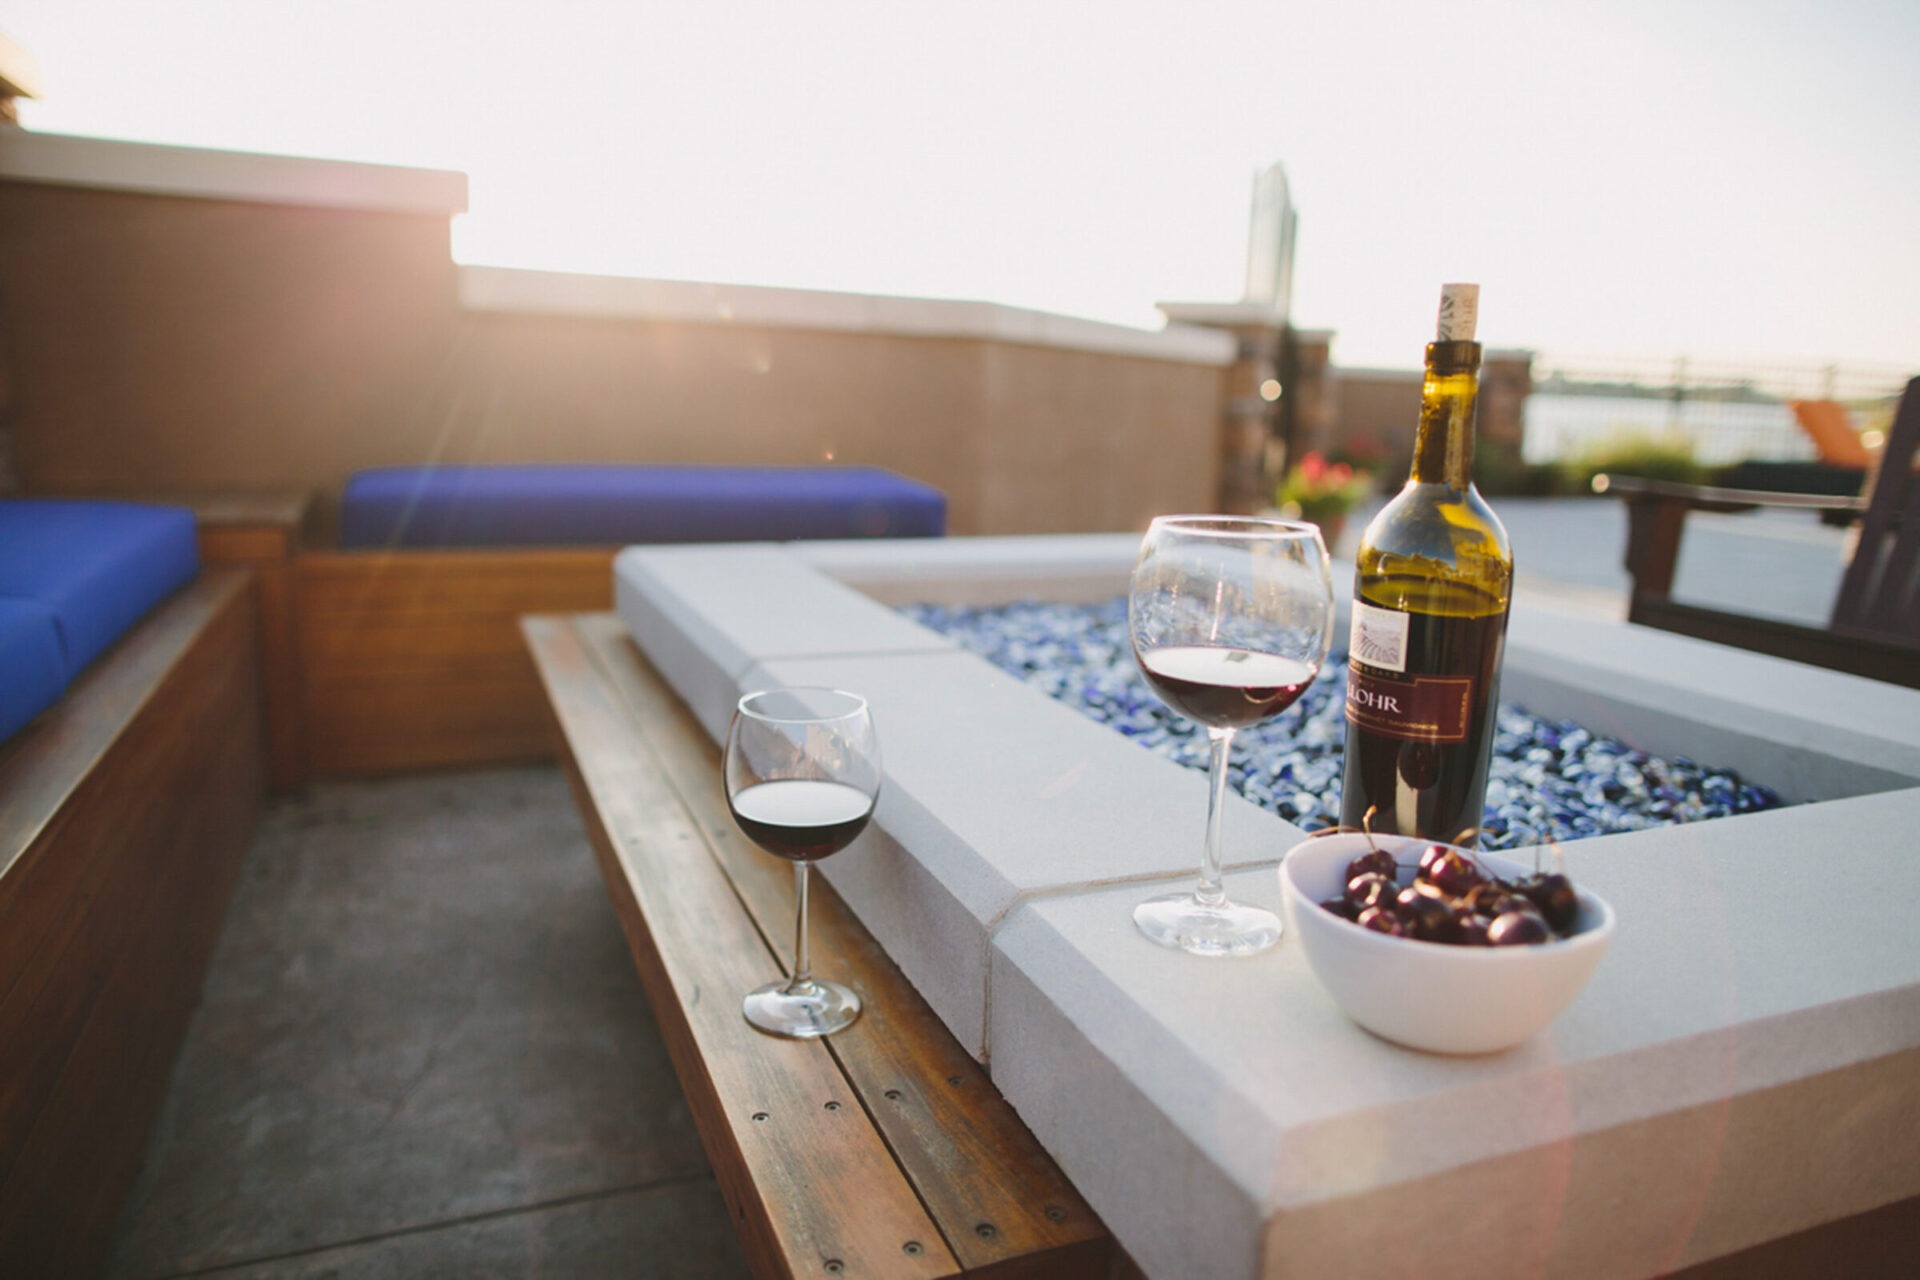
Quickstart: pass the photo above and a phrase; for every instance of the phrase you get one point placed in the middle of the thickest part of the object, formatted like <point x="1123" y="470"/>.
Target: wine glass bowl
<point x="802" y="772"/>
<point x="1230" y="618"/>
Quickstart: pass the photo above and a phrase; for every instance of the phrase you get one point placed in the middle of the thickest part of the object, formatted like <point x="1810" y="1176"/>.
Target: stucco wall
<point x="162" y="342"/>
<point x="154" y="340"/>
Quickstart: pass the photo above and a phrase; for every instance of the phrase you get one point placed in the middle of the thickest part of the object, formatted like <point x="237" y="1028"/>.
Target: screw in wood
<point x="834" y="1266"/>
<point x="913" y="1248"/>
<point x="985" y="1230"/>
<point x="759" y="1117"/>
<point x="833" y="1106"/>
<point x="1056" y="1214"/>
<point x="893" y="1095"/>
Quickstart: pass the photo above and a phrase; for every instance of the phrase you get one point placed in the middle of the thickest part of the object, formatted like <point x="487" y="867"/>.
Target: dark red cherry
<point x="1470" y="930"/>
<point x="1431" y="918"/>
<point x="1382" y="920"/>
<point x="1553" y="894"/>
<point x="1340" y="907"/>
<point x="1518" y="929"/>
<point x="1377" y="861"/>
<point x="1492" y="899"/>
<point x="1370" y="888"/>
<point x="1432" y="854"/>
<point x="1450" y="873"/>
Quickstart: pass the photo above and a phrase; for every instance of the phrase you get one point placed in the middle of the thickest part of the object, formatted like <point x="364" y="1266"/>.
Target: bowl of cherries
<point x="1437" y="947"/>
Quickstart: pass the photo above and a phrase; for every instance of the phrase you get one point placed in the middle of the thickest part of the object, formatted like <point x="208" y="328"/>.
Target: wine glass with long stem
<point x="1230" y="618"/>
<point x="802" y="771"/>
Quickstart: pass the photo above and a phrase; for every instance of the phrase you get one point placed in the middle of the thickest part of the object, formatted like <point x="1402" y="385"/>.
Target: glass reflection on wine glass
<point x="802" y="772"/>
<point x="1230" y="619"/>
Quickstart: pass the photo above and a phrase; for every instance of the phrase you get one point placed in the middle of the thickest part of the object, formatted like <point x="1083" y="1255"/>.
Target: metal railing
<point x="1725" y="412"/>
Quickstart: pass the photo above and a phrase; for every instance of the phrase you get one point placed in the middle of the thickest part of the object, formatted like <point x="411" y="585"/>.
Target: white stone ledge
<point x="1744" y="1063"/>
<point x="108" y="164"/>
<point x="512" y="290"/>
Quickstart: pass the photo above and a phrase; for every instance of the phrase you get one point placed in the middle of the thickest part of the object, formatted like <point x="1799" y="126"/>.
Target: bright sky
<point x="1719" y="178"/>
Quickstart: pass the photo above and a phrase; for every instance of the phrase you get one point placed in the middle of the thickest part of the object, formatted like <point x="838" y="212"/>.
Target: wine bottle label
<point x="1378" y="637"/>
<point x="1417" y="709"/>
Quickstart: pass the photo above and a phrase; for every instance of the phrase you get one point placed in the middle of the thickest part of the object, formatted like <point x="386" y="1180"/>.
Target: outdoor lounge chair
<point x="1830" y="427"/>
<point x="1875" y="627"/>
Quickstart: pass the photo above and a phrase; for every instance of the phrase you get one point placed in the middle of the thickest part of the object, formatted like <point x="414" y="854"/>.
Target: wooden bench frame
<point x="885" y="1150"/>
<point x="126" y="810"/>
<point x="414" y="660"/>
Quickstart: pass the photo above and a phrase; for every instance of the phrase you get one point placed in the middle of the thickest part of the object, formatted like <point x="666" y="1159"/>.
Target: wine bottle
<point x="1433" y="579"/>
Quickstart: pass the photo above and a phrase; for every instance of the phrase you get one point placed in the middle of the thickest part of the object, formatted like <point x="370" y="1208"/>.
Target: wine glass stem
<point x="802" y="969"/>
<point x="1210" y="892"/>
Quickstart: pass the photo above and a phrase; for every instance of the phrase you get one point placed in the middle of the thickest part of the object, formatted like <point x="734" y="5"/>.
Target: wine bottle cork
<point x="1459" y="312"/>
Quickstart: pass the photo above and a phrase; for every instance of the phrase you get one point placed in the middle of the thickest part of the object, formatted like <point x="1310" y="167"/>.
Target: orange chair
<point x="1830" y="427"/>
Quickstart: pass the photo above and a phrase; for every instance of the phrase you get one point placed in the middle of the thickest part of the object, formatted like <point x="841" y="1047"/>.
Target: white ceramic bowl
<point x="1429" y="995"/>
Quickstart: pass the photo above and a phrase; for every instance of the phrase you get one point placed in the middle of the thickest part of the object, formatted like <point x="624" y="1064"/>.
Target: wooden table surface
<point x="883" y="1151"/>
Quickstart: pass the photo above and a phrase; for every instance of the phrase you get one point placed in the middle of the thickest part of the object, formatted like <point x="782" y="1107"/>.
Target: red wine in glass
<point x="802" y="771"/>
<point x="1230" y="618"/>
<point x="801" y="819"/>
<point x="1225" y="688"/>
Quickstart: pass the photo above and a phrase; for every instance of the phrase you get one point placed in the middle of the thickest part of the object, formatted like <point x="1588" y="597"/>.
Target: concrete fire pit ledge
<point x="1745" y="1065"/>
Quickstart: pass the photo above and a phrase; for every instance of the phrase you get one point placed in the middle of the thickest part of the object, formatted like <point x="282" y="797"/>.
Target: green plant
<point x="1502" y="472"/>
<point x="1638" y="452"/>
<point x="1315" y="489"/>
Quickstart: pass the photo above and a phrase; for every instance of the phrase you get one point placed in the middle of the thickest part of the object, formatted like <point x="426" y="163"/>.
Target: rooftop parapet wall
<point x="176" y="318"/>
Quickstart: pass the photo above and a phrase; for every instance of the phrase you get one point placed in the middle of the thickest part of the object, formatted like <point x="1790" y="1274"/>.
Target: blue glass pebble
<point x="1549" y="780"/>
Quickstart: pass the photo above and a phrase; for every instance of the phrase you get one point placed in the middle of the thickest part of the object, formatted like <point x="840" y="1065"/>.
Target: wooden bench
<point x="414" y="660"/>
<point x="1875" y="626"/>
<point x="410" y="654"/>
<point x="126" y="810"/>
<point x="884" y="1151"/>
<point x="265" y="532"/>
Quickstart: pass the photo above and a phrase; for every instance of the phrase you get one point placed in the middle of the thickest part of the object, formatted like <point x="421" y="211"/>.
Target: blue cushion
<point x="614" y="505"/>
<point x="32" y="675"/>
<point x="98" y="565"/>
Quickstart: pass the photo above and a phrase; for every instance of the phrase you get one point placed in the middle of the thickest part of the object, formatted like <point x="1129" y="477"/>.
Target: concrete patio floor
<point x="422" y="1049"/>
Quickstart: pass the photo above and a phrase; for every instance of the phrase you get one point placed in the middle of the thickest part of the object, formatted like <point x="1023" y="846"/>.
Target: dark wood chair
<point x="1875" y="627"/>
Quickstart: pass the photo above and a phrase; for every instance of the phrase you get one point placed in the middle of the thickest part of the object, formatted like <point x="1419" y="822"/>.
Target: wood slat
<point x="92" y="1131"/>
<point x="808" y="1177"/>
<point x="263" y="532"/>
<point x="1000" y="1203"/>
<point x="996" y="1193"/>
<point x="415" y="660"/>
<point x="73" y="895"/>
<point x="245" y="544"/>
<point x="45" y="764"/>
<point x="124" y="816"/>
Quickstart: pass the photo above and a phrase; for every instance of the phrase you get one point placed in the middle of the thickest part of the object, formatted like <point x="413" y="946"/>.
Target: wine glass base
<point x="1184" y="923"/>
<point x="806" y="1012"/>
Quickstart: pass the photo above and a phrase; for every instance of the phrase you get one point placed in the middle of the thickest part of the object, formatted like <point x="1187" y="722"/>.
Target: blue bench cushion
<point x="493" y="506"/>
<point x="32" y="675"/>
<point x="99" y="566"/>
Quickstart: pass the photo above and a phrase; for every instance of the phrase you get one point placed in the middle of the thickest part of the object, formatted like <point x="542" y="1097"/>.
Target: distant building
<point x="1270" y="244"/>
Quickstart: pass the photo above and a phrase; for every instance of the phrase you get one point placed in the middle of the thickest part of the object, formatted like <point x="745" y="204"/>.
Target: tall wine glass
<point x="1230" y="618"/>
<point x="803" y="771"/>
